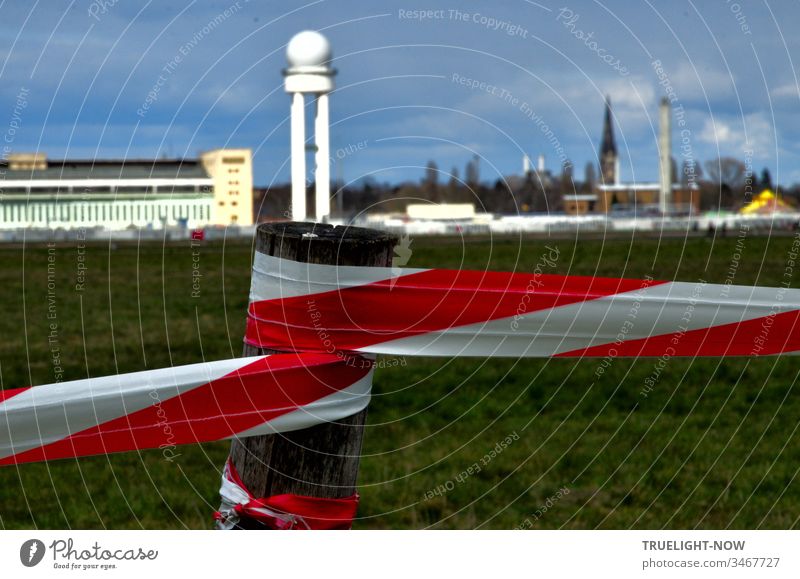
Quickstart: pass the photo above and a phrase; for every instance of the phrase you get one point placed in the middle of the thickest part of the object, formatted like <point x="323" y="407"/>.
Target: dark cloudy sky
<point x="76" y="77"/>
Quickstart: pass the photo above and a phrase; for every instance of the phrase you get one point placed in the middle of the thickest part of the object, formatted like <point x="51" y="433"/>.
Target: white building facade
<point x="124" y="194"/>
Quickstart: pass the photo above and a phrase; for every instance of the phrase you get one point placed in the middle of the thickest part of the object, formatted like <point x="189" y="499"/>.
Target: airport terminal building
<point x="215" y="189"/>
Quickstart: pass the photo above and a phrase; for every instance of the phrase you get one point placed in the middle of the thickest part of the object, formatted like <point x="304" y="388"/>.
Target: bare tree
<point x="430" y="183"/>
<point x="766" y="179"/>
<point x="726" y="171"/>
<point x="431" y="174"/>
<point x="454" y="182"/>
<point x="567" y="184"/>
<point x="589" y="176"/>
<point x="453" y="186"/>
<point x="472" y="174"/>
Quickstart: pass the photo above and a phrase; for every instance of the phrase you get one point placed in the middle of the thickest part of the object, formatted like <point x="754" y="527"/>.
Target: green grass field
<point x="714" y="445"/>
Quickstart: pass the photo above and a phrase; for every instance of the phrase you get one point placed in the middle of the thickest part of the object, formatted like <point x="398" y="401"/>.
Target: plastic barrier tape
<point x="322" y="308"/>
<point x="180" y="405"/>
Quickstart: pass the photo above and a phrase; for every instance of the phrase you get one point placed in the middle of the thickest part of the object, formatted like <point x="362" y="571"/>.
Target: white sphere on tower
<point x="308" y="48"/>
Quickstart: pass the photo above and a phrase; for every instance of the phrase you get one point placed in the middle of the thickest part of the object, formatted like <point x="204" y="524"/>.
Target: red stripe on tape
<point x="773" y="334"/>
<point x="6" y="394"/>
<point x="317" y="514"/>
<point x="409" y="305"/>
<point x="250" y="396"/>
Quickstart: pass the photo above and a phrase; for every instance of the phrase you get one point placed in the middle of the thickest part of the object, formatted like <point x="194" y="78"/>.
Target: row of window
<point x="99" y="213"/>
<point x="138" y="190"/>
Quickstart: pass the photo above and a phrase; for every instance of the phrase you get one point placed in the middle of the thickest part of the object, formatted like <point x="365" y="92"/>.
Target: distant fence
<point x="549" y="224"/>
<point x="31" y="235"/>
<point x="482" y="225"/>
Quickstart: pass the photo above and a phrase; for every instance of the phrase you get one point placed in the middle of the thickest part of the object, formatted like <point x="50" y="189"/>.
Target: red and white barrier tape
<point x="434" y="312"/>
<point x="180" y="405"/>
<point x="329" y="315"/>
<point x="282" y="512"/>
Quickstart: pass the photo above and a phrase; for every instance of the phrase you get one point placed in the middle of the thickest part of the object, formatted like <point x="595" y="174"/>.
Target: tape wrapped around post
<point x="281" y="512"/>
<point x="180" y="405"/>
<point x="335" y="319"/>
<point x="436" y="312"/>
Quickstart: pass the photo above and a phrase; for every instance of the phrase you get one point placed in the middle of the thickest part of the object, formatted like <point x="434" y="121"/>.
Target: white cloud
<point x="701" y="82"/>
<point x="753" y="131"/>
<point x="785" y="91"/>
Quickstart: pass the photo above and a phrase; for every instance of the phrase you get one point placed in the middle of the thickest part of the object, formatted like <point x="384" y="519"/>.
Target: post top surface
<point x="325" y="232"/>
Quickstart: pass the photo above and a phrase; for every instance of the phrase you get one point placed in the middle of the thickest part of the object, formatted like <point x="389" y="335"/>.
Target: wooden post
<point x="321" y="461"/>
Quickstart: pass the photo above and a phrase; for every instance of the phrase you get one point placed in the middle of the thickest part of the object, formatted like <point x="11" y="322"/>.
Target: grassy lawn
<point x="713" y="445"/>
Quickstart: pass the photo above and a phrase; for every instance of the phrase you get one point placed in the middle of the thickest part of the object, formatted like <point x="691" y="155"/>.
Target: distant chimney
<point x="526" y="165"/>
<point x="541" y="163"/>
<point x="664" y="157"/>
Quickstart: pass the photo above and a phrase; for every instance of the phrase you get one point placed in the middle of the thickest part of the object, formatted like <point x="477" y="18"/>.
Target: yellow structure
<point x="766" y="202"/>
<point x="232" y="173"/>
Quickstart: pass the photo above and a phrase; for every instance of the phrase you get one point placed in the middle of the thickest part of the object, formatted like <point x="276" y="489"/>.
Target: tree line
<point x="723" y="184"/>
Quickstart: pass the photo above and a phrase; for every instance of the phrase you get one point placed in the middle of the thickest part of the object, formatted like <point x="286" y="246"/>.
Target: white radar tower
<point x="309" y="72"/>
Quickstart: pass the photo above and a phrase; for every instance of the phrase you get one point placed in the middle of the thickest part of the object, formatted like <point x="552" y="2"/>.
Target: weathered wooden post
<point x="321" y="461"/>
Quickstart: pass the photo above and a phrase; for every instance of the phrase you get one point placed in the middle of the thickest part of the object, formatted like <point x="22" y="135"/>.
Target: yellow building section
<point x="232" y="172"/>
<point x="766" y="202"/>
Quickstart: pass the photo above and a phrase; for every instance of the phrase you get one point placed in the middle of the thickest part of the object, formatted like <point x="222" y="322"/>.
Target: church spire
<point x="608" y="145"/>
<point x="608" y="149"/>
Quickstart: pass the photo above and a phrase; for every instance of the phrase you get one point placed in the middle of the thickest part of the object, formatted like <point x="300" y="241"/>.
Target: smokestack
<point x="541" y="163"/>
<point x="526" y="164"/>
<point x="664" y="162"/>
